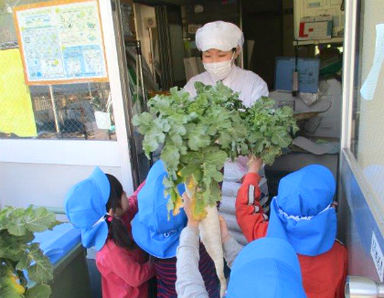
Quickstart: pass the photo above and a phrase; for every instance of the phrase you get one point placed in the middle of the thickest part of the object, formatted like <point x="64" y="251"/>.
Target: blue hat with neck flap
<point x="266" y="268"/>
<point x="154" y="228"/>
<point x="302" y="212"/>
<point x="85" y="208"/>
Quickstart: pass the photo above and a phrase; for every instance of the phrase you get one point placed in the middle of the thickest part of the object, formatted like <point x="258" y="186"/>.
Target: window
<point x="58" y="111"/>
<point x="367" y="142"/>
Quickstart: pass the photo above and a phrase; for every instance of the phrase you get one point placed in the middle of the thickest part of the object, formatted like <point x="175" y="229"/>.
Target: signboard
<point x="61" y="42"/>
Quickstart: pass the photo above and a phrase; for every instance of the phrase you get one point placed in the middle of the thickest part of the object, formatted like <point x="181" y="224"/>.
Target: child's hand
<point x="192" y="222"/>
<point x="223" y="229"/>
<point x="254" y="164"/>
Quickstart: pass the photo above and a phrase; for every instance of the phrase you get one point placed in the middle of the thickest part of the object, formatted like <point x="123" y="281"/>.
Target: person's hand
<point x="192" y="222"/>
<point x="223" y="229"/>
<point x="254" y="164"/>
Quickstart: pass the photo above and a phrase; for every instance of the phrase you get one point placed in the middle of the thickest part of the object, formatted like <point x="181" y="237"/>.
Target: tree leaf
<point x="17" y="253"/>
<point x="4" y="217"/>
<point x="7" y="290"/>
<point x="16" y="224"/>
<point x="39" y="219"/>
<point x="12" y="247"/>
<point x="39" y="290"/>
<point x="40" y="269"/>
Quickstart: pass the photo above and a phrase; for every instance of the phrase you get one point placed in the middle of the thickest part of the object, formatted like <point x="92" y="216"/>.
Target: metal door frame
<point x="360" y="212"/>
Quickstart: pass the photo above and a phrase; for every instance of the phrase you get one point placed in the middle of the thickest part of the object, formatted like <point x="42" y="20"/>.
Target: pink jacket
<point x="124" y="273"/>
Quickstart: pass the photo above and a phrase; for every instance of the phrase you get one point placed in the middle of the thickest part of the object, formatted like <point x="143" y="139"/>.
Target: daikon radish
<point x="211" y="238"/>
<point x="209" y="234"/>
<point x="197" y="136"/>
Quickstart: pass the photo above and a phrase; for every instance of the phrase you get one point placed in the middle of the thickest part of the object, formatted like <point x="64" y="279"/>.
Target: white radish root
<point x="210" y="233"/>
<point x="211" y="238"/>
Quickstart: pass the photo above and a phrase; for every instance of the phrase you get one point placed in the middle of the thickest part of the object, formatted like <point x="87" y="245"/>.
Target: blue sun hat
<point x="302" y="212"/>
<point x="266" y="268"/>
<point x="154" y="228"/>
<point x="85" y="208"/>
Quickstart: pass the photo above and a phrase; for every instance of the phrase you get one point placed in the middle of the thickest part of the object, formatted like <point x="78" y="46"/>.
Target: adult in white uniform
<point x="220" y="43"/>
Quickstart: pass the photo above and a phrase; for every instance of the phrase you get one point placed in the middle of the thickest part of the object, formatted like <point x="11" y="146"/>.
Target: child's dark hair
<point x="117" y="230"/>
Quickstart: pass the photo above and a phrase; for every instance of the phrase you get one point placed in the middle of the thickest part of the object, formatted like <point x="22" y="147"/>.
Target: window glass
<point x="57" y="111"/>
<point x="368" y="112"/>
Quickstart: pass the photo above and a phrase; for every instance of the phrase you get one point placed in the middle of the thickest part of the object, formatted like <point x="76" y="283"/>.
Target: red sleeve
<point x="132" y="200"/>
<point x="132" y="272"/>
<point x="249" y="212"/>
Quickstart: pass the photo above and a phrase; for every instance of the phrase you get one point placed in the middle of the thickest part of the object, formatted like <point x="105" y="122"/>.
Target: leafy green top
<point x="269" y="129"/>
<point x="199" y="135"/>
<point x="17" y="253"/>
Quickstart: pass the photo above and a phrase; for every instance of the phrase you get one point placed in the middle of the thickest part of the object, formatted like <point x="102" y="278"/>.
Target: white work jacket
<point x="249" y="85"/>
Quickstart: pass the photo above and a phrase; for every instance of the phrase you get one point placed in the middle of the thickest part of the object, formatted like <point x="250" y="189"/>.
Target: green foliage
<point x="269" y="129"/>
<point x="197" y="136"/>
<point x="40" y="290"/>
<point x="17" y="253"/>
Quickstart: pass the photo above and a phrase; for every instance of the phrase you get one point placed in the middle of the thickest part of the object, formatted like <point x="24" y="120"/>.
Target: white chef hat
<point x="219" y="35"/>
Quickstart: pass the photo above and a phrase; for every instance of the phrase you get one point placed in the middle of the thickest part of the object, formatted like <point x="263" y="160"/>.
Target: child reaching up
<point x="99" y="206"/>
<point x="157" y="231"/>
<point x="264" y="268"/>
<point x="303" y="214"/>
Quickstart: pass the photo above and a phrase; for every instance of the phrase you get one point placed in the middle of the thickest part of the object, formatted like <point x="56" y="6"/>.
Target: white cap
<point x="219" y="35"/>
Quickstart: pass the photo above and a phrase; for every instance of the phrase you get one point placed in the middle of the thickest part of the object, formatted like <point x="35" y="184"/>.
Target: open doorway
<point x="166" y="31"/>
<point x="267" y="27"/>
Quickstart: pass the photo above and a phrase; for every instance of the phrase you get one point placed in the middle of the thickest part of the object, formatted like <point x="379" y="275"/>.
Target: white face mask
<point x="219" y="70"/>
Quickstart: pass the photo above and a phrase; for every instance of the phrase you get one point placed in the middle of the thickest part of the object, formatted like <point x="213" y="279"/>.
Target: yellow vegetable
<point x="198" y="215"/>
<point x="177" y="205"/>
<point x="16" y="284"/>
<point x="12" y="282"/>
<point x="191" y="188"/>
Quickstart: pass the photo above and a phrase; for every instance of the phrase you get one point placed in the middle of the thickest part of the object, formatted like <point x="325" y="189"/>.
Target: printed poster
<point x="61" y="43"/>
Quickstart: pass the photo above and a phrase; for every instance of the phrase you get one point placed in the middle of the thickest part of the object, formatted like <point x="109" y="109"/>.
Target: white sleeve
<point x="190" y="88"/>
<point x="231" y="250"/>
<point x="189" y="283"/>
<point x="259" y="89"/>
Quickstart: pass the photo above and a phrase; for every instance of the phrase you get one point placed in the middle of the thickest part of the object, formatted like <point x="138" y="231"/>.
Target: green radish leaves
<point x="270" y="129"/>
<point x="198" y="135"/>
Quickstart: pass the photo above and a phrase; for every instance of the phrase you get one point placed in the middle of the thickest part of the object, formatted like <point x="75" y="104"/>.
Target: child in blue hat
<point x="157" y="231"/>
<point x="303" y="214"/>
<point x="99" y="207"/>
<point x="264" y="268"/>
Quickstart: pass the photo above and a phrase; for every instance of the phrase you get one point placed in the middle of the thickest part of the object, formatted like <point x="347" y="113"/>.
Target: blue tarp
<point x="56" y="243"/>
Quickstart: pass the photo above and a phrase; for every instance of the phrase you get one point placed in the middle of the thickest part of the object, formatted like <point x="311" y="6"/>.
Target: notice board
<point x="61" y="42"/>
